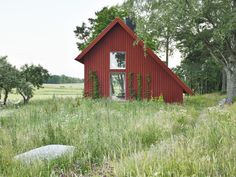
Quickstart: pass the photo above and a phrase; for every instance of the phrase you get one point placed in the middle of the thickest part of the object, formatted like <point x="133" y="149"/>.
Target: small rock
<point x="48" y="152"/>
<point x="225" y="101"/>
<point x="222" y="102"/>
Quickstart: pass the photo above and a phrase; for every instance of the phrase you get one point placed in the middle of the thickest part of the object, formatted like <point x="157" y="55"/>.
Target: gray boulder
<point x="224" y="101"/>
<point x="48" y="152"/>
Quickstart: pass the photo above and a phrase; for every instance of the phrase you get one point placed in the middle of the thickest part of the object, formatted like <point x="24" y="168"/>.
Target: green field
<point x="132" y="138"/>
<point x="52" y="90"/>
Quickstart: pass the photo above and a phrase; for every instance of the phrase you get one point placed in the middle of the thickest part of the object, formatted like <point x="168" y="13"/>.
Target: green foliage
<point x="159" y="99"/>
<point x="148" y="86"/>
<point x="153" y="24"/>
<point x="209" y="23"/>
<point x="8" y="77"/>
<point x="25" y="89"/>
<point x="132" y="92"/>
<point x="55" y="79"/>
<point x="22" y="80"/>
<point x="139" y="91"/>
<point x="29" y="77"/>
<point x="36" y="75"/>
<point x="87" y="32"/>
<point x="54" y="135"/>
<point x="93" y="78"/>
<point x="200" y="72"/>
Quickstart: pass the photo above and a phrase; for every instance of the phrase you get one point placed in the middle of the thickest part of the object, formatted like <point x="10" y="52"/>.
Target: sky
<point x="41" y="32"/>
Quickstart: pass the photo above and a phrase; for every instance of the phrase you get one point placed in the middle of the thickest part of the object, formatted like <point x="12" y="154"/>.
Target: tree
<point x="30" y="76"/>
<point x="153" y="26"/>
<point x="214" y="23"/>
<point x="23" y="80"/>
<point x="25" y="89"/>
<point x="200" y="72"/>
<point x="87" y="32"/>
<point x="36" y="75"/>
<point x="198" y="69"/>
<point x="8" y="77"/>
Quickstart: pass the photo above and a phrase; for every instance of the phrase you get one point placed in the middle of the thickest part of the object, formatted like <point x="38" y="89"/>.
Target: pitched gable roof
<point x="133" y="35"/>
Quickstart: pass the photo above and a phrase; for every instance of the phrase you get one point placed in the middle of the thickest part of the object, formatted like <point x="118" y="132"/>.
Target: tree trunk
<point x="5" y="97"/>
<point x="231" y="83"/>
<point x="26" y="100"/>
<point x="224" y="83"/>
<point x="167" y="49"/>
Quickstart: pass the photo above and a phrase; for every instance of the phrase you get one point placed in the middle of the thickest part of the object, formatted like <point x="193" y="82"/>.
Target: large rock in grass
<point x="43" y="153"/>
<point x="225" y="101"/>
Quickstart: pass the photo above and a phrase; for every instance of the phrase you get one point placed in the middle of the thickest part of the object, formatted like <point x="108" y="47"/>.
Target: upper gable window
<point x="117" y="60"/>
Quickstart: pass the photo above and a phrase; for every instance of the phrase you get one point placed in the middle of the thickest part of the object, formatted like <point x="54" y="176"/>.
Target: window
<point x="117" y="60"/>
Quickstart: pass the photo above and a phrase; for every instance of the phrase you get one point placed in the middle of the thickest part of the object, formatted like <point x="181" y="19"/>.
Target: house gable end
<point x="118" y="21"/>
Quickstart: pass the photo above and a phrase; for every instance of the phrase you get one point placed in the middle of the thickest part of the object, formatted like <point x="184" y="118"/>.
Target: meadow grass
<point x="133" y="138"/>
<point x="50" y="90"/>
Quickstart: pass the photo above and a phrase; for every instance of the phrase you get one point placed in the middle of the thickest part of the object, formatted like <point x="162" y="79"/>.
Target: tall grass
<point x="122" y="138"/>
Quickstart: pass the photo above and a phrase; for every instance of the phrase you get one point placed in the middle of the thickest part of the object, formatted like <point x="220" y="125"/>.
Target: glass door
<point x="117" y="86"/>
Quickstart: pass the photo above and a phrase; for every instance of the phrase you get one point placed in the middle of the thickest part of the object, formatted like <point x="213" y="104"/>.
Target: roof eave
<point x="98" y="38"/>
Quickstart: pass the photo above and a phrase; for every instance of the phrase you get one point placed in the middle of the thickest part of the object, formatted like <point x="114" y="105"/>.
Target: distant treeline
<point x="55" y="79"/>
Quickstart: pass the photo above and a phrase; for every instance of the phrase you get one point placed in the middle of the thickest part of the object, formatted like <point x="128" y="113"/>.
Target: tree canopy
<point x="86" y="32"/>
<point x="210" y="23"/>
<point x="23" y="80"/>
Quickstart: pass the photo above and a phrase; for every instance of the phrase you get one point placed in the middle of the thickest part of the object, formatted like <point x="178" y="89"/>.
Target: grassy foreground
<point x="122" y="138"/>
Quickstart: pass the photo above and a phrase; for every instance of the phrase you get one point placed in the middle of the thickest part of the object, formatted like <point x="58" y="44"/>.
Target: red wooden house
<point x="115" y="67"/>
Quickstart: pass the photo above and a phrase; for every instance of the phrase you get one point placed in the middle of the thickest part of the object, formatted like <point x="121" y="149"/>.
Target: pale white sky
<point x="41" y="32"/>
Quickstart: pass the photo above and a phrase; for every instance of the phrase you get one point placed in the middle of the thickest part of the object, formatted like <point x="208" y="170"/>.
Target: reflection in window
<point x="117" y="85"/>
<point x="117" y="60"/>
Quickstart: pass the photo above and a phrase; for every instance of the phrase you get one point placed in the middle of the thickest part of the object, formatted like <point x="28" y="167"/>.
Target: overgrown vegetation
<point x="132" y="92"/>
<point x="135" y="138"/>
<point x="139" y="90"/>
<point x="94" y="85"/>
<point x="148" y="86"/>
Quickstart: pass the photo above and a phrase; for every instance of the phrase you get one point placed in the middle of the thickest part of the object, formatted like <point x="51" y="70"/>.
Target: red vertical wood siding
<point x="117" y="39"/>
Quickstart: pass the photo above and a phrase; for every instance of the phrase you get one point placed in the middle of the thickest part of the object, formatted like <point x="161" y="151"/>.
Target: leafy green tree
<point x="200" y="72"/>
<point x="8" y="77"/>
<point x="36" y="75"/>
<point x="152" y="22"/>
<point x="198" y="68"/>
<point x="213" y="22"/>
<point x="23" y="80"/>
<point x="25" y="89"/>
<point x="87" y="32"/>
<point x="30" y="76"/>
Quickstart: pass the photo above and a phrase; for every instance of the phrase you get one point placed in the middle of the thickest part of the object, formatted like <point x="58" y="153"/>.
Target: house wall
<point x="117" y="39"/>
